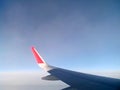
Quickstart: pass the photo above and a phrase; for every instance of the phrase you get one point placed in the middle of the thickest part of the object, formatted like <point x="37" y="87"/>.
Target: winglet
<point x="41" y="61"/>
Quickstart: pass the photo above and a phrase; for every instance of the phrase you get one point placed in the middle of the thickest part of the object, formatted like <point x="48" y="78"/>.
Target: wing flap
<point x="50" y="77"/>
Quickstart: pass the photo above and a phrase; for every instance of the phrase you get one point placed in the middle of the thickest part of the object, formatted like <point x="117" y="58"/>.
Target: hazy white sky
<point x="28" y="81"/>
<point x="77" y="35"/>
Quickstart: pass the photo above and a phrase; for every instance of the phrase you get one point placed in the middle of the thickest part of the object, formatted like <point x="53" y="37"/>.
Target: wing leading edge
<point x="77" y="80"/>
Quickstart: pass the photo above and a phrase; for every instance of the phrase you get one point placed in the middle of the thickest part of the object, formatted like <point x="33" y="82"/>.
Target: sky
<point x="77" y="35"/>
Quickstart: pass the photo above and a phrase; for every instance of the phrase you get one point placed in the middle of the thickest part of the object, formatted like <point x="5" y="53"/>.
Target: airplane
<point x="76" y="80"/>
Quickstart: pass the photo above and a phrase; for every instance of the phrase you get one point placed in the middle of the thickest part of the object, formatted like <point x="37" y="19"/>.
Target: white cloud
<point x="25" y="78"/>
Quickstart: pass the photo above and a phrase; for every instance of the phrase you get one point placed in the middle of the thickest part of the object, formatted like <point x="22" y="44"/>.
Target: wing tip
<point x="40" y="61"/>
<point x="32" y="47"/>
<point x="38" y="58"/>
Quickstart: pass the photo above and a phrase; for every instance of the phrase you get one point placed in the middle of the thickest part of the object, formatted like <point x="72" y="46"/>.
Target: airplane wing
<point x="76" y="80"/>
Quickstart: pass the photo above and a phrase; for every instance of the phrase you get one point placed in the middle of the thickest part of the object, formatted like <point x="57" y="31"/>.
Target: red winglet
<point x="37" y="56"/>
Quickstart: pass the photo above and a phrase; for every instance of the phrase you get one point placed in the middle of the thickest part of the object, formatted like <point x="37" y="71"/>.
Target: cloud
<point x="24" y="78"/>
<point x="27" y="81"/>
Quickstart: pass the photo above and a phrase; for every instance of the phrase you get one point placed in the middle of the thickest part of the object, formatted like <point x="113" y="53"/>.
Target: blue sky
<point x="78" y="35"/>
